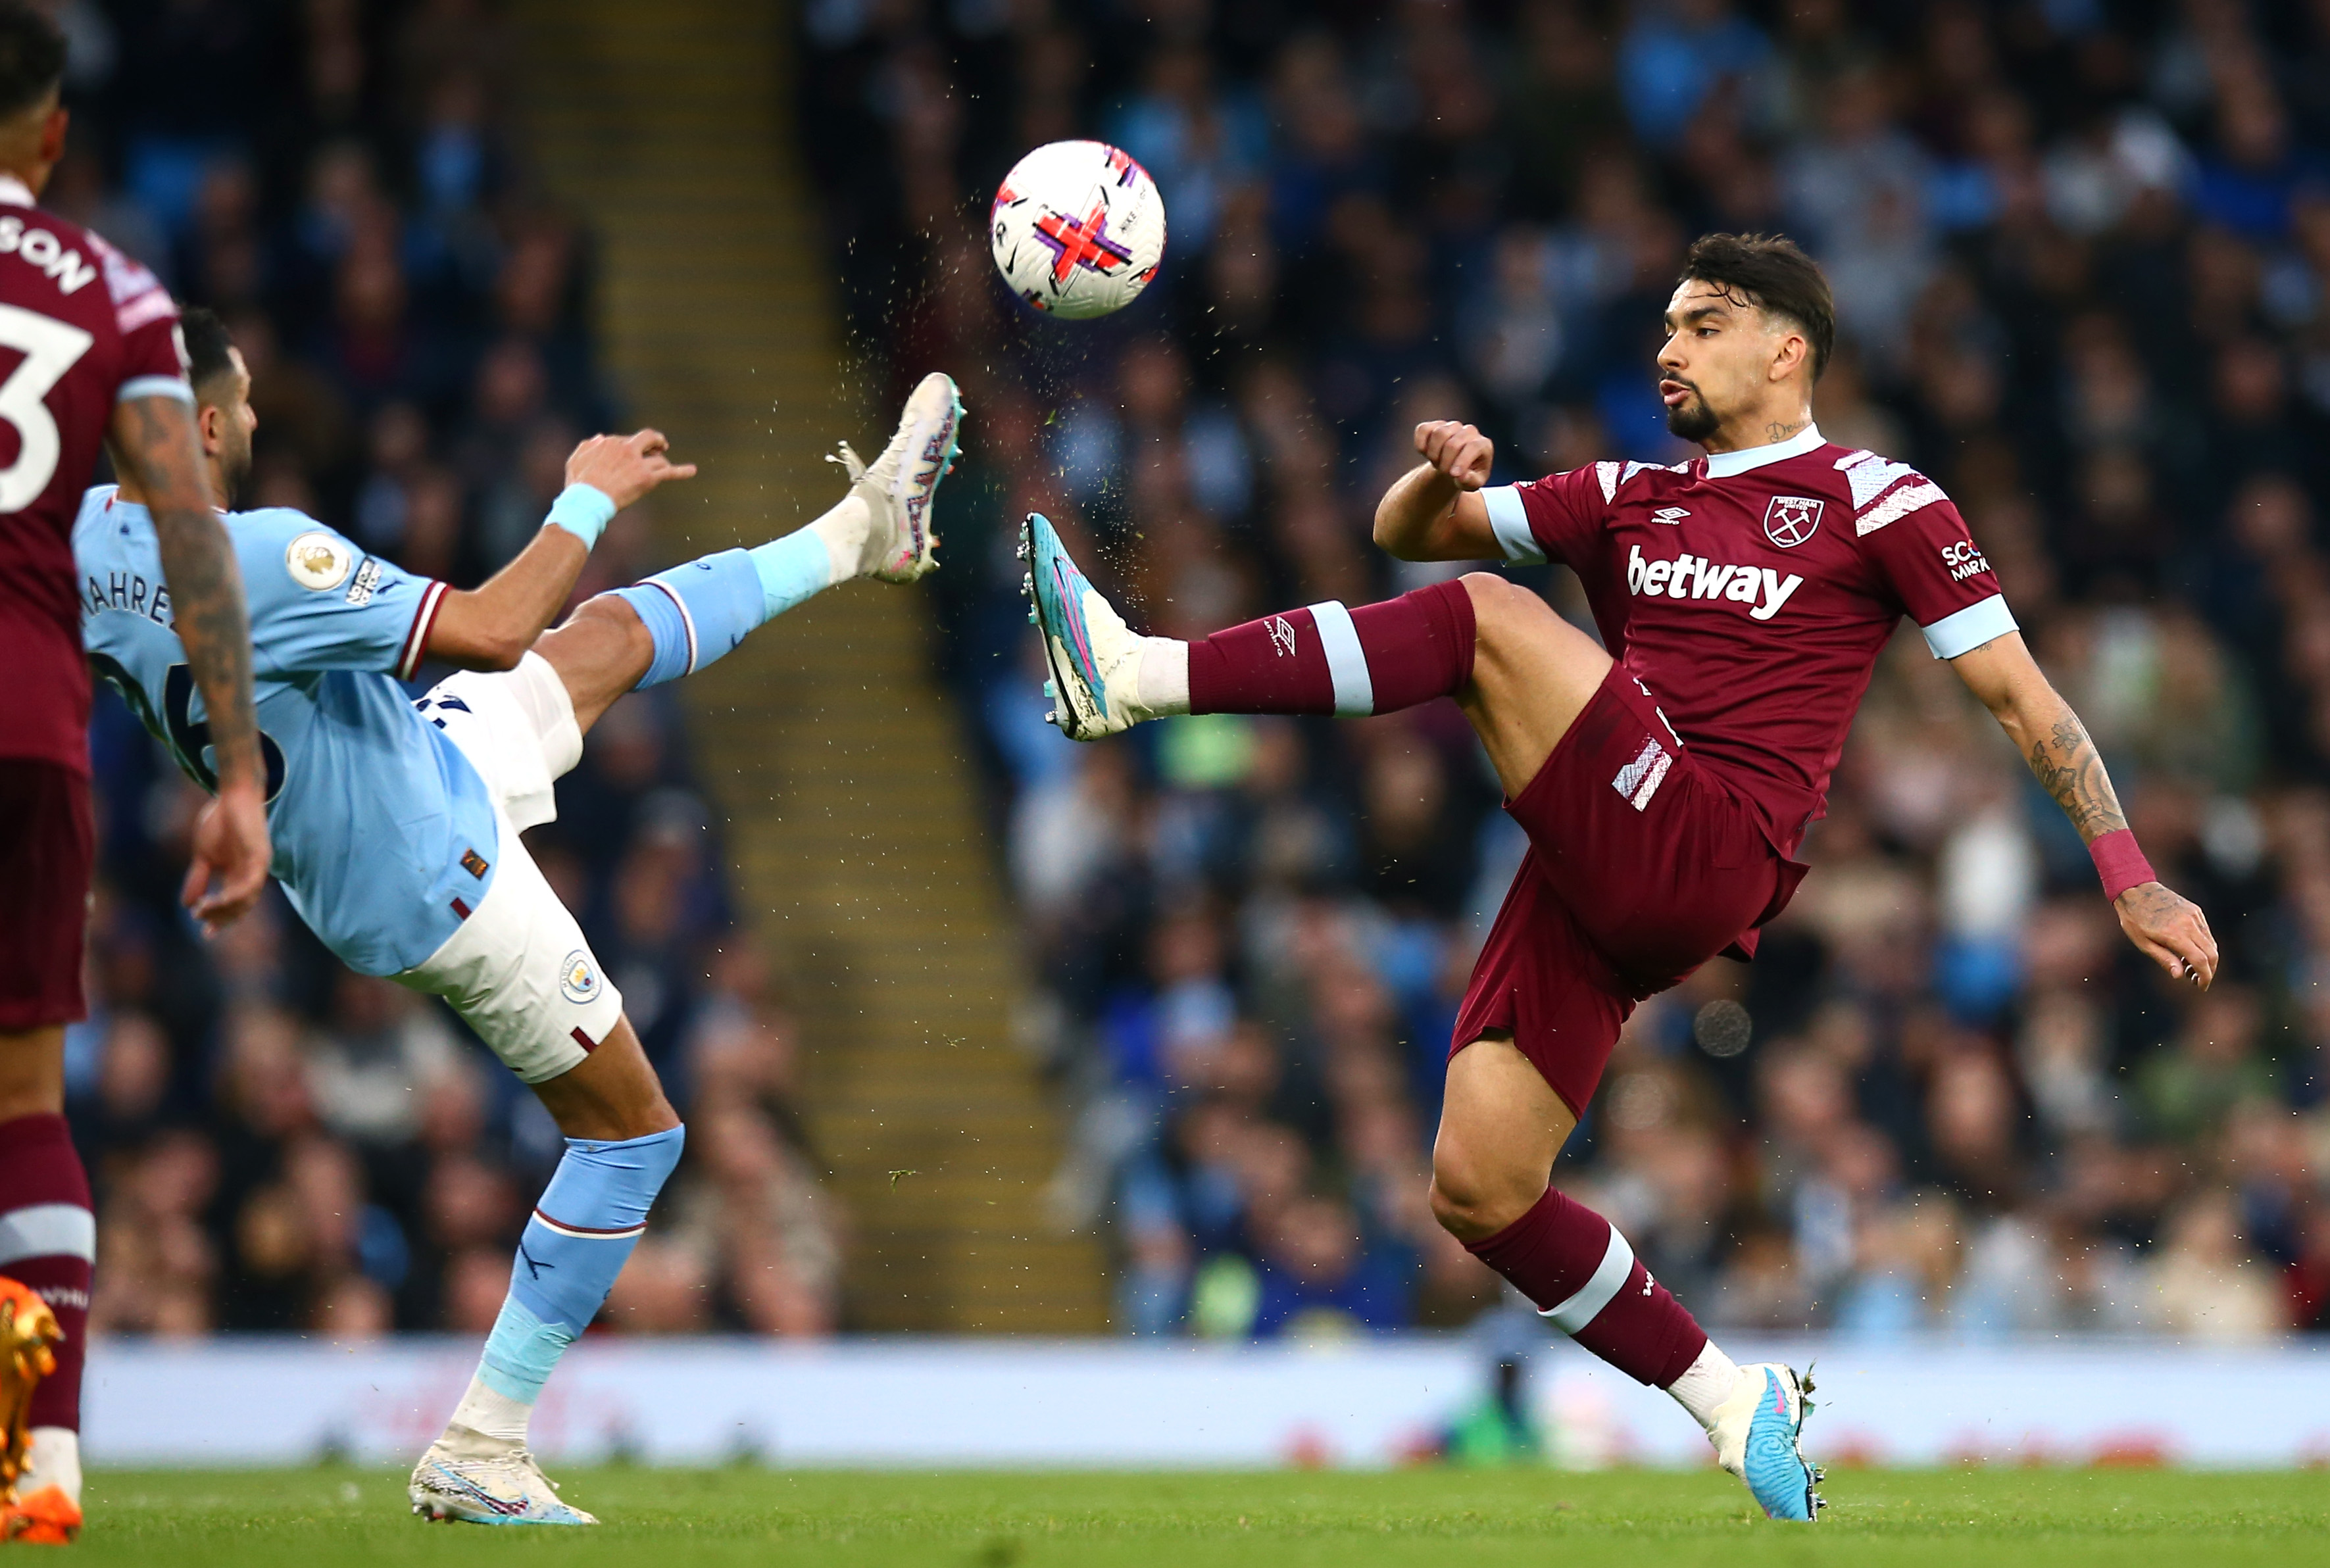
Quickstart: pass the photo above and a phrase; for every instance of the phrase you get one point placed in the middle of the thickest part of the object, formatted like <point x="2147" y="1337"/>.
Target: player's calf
<point x="883" y="529"/>
<point x="622" y="1142"/>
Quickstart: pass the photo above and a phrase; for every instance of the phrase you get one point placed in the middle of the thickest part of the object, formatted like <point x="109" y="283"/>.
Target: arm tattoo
<point x="156" y="444"/>
<point x="2066" y="763"/>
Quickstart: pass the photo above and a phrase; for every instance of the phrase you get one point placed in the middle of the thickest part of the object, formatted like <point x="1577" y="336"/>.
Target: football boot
<point x="504" y="1488"/>
<point x="1756" y="1438"/>
<point x="899" y="485"/>
<point x="1093" y="656"/>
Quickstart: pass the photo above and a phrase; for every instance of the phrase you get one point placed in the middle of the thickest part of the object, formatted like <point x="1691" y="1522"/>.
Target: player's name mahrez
<point x="395" y="822"/>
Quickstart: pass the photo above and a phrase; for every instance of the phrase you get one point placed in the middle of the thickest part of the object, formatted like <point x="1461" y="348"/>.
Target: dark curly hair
<point x="1771" y="272"/>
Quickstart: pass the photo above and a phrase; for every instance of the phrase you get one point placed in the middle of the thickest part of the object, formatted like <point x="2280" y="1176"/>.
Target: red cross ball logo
<point x="1790" y="520"/>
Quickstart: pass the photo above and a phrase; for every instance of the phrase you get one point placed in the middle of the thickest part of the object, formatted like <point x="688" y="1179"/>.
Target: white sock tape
<point x="1617" y="1262"/>
<point x="1347" y="661"/>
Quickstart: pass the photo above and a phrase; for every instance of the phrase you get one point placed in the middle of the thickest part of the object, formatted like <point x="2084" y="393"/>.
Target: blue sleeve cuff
<point x="1510" y="523"/>
<point x="1970" y="628"/>
<point x="583" y="511"/>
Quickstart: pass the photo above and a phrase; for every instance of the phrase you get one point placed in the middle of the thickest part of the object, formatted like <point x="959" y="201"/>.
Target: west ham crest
<point x="1790" y="520"/>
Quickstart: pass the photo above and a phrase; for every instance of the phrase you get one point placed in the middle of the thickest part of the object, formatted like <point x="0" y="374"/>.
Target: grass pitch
<point x="320" y="1518"/>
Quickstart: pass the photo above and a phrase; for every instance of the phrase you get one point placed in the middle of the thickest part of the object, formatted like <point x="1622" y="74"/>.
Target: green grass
<point x="319" y="1518"/>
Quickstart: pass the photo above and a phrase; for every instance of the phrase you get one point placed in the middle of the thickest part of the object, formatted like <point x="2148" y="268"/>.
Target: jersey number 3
<point x="50" y="348"/>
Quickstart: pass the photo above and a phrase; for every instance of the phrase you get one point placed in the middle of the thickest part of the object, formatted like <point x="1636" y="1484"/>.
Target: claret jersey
<point x="1752" y="592"/>
<point x="83" y="327"/>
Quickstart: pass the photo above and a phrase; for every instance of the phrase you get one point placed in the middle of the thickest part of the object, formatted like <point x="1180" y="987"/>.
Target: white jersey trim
<point x="1909" y="498"/>
<point x="416" y="641"/>
<point x="1347" y="661"/>
<point x="1508" y="519"/>
<point x="1970" y="628"/>
<point x="1725" y="465"/>
<point x="155" y="386"/>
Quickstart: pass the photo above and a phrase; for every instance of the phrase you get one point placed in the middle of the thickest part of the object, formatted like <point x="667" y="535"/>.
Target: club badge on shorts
<point x="578" y="978"/>
<point x="1790" y="520"/>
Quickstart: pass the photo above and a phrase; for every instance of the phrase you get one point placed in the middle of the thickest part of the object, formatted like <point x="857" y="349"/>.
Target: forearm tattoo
<point x="206" y="602"/>
<point x="2068" y="768"/>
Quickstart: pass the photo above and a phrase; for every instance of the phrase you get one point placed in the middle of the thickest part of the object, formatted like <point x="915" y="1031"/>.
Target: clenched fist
<point x="1458" y="451"/>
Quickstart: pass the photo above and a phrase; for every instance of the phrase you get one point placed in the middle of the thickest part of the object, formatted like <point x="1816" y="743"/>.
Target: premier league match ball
<point x="1078" y="229"/>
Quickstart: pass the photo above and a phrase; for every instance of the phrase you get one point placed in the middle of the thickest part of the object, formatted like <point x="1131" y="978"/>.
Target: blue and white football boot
<point x="899" y="485"/>
<point x="1755" y="1436"/>
<point x="1094" y="658"/>
<point x="502" y="1488"/>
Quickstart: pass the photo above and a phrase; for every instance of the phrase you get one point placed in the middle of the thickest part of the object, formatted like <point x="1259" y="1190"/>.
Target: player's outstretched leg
<point x="1502" y="1124"/>
<point x="1324" y="660"/>
<point x="679" y="621"/>
<point x="622" y="1141"/>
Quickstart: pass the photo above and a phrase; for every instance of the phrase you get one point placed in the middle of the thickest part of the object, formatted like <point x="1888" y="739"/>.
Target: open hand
<point x="2169" y="929"/>
<point x="229" y="844"/>
<point x="625" y="467"/>
<point x="1458" y="451"/>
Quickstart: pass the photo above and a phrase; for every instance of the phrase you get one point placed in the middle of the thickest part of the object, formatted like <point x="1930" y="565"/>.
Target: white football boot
<point x="898" y="487"/>
<point x="497" y="1488"/>
<point x="1756" y="1438"/>
<point x="1094" y="658"/>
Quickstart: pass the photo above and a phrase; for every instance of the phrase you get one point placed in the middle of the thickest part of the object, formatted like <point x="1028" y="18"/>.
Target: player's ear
<point x="1788" y="355"/>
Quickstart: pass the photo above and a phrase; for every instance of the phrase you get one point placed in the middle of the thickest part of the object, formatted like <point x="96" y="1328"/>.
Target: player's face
<point x="1717" y="360"/>
<point x="228" y="424"/>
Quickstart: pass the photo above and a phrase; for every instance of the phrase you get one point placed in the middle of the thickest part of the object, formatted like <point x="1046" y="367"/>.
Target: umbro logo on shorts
<point x="1640" y="780"/>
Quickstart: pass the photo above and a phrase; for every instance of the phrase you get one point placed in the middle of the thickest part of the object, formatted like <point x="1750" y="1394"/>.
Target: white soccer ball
<point x="1078" y="229"/>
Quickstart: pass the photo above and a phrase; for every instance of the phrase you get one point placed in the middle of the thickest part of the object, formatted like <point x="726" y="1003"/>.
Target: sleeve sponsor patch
<point x="366" y="584"/>
<point x="318" y="561"/>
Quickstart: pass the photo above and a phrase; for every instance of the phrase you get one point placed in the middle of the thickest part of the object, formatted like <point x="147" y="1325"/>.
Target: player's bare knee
<point x="1465" y="1205"/>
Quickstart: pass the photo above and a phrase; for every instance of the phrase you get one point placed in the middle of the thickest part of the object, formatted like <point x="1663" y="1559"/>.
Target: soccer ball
<point x="1078" y="229"/>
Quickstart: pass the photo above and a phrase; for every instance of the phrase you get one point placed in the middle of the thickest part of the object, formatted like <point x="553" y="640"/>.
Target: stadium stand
<point x="278" y="1144"/>
<point x="2082" y="259"/>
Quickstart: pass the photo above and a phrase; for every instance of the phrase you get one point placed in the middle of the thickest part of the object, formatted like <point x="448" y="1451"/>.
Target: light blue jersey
<point x="384" y="835"/>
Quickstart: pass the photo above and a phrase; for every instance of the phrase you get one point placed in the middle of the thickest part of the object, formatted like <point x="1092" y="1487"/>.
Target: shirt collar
<point x="1724" y="465"/>
<point x="15" y="192"/>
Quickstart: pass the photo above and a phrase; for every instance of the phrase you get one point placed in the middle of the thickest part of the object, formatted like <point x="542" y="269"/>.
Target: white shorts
<point x="518" y="971"/>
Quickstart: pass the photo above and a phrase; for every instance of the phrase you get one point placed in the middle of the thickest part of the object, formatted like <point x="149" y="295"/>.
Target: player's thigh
<point x="1533" y="673"/>
<point x="520" y="972"/>
<point x="31" y="1071"/>
<point x="611" y="1095"/>
<point x="600" y="653"/>
<point x="1501" y="1126"/>
<point x="48" y="846"/>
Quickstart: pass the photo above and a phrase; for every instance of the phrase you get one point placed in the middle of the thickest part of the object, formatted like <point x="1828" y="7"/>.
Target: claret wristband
<point x="2119" y="862"/>
<point x="582" y="510"/>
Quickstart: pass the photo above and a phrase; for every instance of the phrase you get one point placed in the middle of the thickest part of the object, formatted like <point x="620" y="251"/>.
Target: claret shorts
<point x="48" y="844"/>
<point x="1641" y="866"/>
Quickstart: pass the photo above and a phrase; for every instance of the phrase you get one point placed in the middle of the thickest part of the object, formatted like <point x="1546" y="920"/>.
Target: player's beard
<point x="1692" y="419"/>
<point x="234" y="470"/>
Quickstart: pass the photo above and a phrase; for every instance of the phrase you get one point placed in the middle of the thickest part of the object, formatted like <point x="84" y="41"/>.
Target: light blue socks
<point x="576" y="1242"/>
<point x="701" y="610"/>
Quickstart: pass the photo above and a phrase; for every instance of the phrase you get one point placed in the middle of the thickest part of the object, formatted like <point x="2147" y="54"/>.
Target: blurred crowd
<point x="2081" y="254"/>
<point x="276" y="1142"/>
